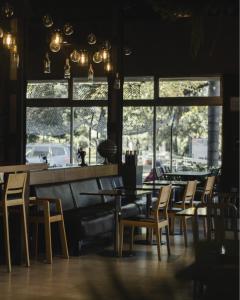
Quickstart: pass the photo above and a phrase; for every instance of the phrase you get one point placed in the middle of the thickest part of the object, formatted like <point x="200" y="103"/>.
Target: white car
<point x="56" y="155"/>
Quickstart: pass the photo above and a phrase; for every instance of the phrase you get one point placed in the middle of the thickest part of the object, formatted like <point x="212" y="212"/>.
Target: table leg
<point x="148" y="211"/>
<point x="117" y="220"/>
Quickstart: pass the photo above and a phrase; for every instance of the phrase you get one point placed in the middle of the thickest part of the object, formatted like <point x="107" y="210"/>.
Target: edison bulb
<point x="91" y="39"/>
<point x="107" y="45"/>
<point x="127" y="51"/>
<point x="105" y="54"/>
<point x="8" y="40"/>
<point x="68" y="29"/>
<point x="56" y="37"/>
<point x="108" y="66"/>
<point x="7" y="10"/>
<point x="75" y="56"/>
<point x="1" y="33"/>
<point x="83" y="58"/>
<point x="54" y="47"/>
<point x="97" y="57"/>
<point x="47" y="21"/>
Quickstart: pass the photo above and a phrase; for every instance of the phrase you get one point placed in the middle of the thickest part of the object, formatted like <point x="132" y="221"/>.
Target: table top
<point x="167" y="182"/>
<point x="118" y="192"/>
<point x="189" y="173"/>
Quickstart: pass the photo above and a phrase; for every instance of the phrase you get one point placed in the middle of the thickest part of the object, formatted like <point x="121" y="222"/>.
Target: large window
<point x="54" y="134"/>
<point x="48" y="135"/>
<point x="180" y="128"/>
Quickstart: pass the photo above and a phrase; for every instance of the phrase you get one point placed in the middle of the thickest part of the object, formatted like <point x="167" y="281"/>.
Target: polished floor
<point x="97" y="276"/>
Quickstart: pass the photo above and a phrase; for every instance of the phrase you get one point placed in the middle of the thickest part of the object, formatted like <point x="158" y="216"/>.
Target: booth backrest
<point x="106" y="183"/>
<point x="61" y="191"/>
<point x="89" y="185"/>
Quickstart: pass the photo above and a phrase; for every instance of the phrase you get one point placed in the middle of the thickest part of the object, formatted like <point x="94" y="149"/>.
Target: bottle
<point x="67" y="69"/>
<point x="117" y="83"/>
<point x="47" y="64"/>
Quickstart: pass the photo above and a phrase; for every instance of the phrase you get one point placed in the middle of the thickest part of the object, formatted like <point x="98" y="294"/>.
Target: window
<point x="62" y="130"/>
<point x="90" y="127"/>
<point x="138" y="134"/>
<point x="189" y="87"/>
<point x="85" y="90"/>
<point x="138" y="88"/>
<point x="179" y="134"/>
<point x="47" y="89"/>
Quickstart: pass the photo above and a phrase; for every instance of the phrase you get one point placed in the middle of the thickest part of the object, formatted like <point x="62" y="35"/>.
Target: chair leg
<point x="25" y="236"/>
<point x="36" y="240"/>
<point x="172" y="221"/>
<point x="131" y="239"/>
<point x="168" y="241"/>
<point x="121" y="230"/>
<point x="6" y="237"/>
<point x="63" y="239"/>
<point x="204" y="227"/>
<point x="48" y="239"/>
<point x="184" y="222"/>
<point x="158" y="243"/>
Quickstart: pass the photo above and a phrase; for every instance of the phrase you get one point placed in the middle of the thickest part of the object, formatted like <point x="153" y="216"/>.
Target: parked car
<point x="56" y="155"/>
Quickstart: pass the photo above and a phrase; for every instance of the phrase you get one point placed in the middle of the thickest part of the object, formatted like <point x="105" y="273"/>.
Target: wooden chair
<point x="14" y="196"/>
<point x="45" y="217"/>
<point x="188" y="197"/>
<point x="215" y="270"/>
<point x="155" y="222"/>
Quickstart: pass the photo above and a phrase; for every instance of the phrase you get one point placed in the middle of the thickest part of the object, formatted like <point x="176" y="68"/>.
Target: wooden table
<point x="118" y="194"/>
<point x="189" y="175"/>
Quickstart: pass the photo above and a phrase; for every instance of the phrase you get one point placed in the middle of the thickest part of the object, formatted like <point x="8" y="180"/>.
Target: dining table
<point x="118" y="194"/>
<point x="188" y="175"/>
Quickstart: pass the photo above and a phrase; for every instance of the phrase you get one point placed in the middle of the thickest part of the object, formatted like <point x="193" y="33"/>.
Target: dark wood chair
<point x="43" y="215"/>
<point x="156" y="221"/>
<point x="14" y="196"/>
<point x="187" y="201"/>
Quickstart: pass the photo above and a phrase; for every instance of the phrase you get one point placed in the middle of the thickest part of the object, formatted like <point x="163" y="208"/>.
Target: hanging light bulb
<point x="7" y="10"/>
<point x="54" y="47"/>
<point x="97" y="57"/>
<point x="75" y="56"/>
<point x="68" y="29"/>
<point x="57" y="37"/>
<point x="1" y="33"/>
<point x="105" y="54"/>
<point x="83" y="58"/>
<point x="8" y="40"/>
<point x="91" y="39"/>
<point x="117" y="83"/>
<point x="90" y="73"/>
<point x="47" y="21"/>
<point x="107" y="45"/>
<point x="127" y="51"/>
<point x="108" y="66"/>
<point x="46" y="64"/>
<point x="67" y="69"/>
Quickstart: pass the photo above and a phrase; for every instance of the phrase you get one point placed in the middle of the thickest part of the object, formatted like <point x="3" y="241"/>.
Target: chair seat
<point x="140" y="218"/>
<point x="187" y="203"/>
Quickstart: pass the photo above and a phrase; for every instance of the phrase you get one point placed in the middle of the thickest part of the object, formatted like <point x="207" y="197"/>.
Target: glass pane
<point x="85" y="90"/>
<point x="138" y="135"/>
<point x="47" y="89"/>
<point x="189" y="87"/>
<point x="188" y="130"/>
<point x="138" y="88"/>
<point x="48" y="136"/>
<point x="90" y="127"/>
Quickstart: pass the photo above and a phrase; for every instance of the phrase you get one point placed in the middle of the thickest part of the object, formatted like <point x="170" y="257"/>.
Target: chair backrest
<point x="222" y="220"/>
<point x="189" y="193"/>
<point x="15" y="186"/>
<point x="162" y="202"/>
<point x="208" y="189"/>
